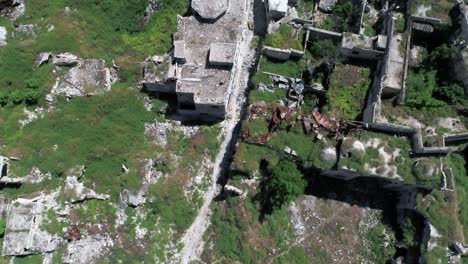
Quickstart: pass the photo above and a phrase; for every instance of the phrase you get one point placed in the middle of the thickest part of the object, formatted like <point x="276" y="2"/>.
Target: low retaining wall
<point x="282" y="54"/>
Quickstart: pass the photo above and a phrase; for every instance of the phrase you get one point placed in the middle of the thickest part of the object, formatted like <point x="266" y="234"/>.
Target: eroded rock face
<point x="88" y="250"/>
<point x="210" y="9"/>
<point x="79" y="193"/>
<point x="91" y="77"/>
<point x="157" y="131"/>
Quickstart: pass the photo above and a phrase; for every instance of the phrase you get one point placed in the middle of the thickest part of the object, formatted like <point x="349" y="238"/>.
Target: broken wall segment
<point x="276" y="9"/>
<point x="460" y="37"/>
<point x="282" y="54"/>
<point x="317" y="33"/>
<point x="359" y="47"/>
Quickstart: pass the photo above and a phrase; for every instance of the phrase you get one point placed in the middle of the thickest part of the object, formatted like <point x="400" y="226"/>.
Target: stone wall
<point x="282" y="54"/>
<point x="362" y="53"/>
<point x="317" y="33"/>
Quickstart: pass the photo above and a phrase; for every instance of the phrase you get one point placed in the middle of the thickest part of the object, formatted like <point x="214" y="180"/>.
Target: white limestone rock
<point x="43" y="58"/>
<point x="78" y="193"/>
<point x="91" y="77"/>
<point x="65" y="59"/>
<point x="24" y="234"/>
<point x="3" y="36"/>
<point x="88" y="250"/>
<point x="328" y="155"/>
<point x="327" y="5"/>
<point x="134" y="198"/>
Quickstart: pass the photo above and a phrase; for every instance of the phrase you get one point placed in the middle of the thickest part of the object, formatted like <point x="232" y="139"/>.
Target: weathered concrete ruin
<point x="276" y="9"/>
<point x="199" y="70"/>
<point x="460" y="37"/>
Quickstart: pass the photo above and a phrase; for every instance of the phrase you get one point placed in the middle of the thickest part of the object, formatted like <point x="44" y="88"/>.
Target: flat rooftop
<point x="209" y="84"/>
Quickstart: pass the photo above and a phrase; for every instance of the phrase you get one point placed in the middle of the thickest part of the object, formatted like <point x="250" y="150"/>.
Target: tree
<point x="286" y="184"/>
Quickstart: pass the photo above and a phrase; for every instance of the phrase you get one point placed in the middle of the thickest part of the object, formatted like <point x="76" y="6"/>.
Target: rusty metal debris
<point x="73" y="233"/>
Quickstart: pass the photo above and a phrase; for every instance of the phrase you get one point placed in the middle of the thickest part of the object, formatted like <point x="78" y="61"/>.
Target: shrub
<point x="324" y="49"/>
<point x="286" y="184"/>
<point x="17" y="97"/>
<point x="32" y="84"/>
<point x="32" y="96"/>
<point x="421" y="86"/>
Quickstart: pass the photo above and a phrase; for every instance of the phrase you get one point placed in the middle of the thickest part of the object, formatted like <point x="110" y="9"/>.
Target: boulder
<point x="25" y="31"/>
<point x="210" y="9"/>
<point x="65" y="59"/>
<point x="424" y="169"/>
<point x="91" y="77"/>
<point x="134" y="198"/>
<point x="3" y="36"/>
<point x="328" y="155"/>
<point x="327" y="5"/>
<point x="43" y="58"/>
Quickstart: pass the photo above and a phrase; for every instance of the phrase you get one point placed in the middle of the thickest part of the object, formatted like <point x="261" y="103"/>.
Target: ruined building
<point x="200" y="68"/>
<point x="460" y="65"/>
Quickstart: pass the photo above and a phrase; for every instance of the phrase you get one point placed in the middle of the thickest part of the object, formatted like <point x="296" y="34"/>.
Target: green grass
<point x="376" y="238"/>
<point x="289" y="68"/>
<point x="283" y="39"/>
<point x="93" y="29"/>
<point x="295" y="255"/>
<point x="271" y="98"/>
<point x="101" y="132"/>
<point x="457" y="164"/>
<point x="347" y="101"/>
<point x="35" y="259"/>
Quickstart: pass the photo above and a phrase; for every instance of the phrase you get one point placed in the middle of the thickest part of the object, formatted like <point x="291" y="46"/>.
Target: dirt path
<point x="193" y="237"/>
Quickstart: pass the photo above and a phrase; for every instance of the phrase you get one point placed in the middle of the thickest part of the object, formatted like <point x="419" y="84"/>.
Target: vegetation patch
<point x="285" y="38"/>
<point x="290" y="68"/>
<point x="346" y="100"/>
<point x="101" y="132"/>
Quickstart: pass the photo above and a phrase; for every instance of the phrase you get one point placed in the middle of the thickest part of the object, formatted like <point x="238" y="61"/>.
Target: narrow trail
<point x="193" y="237"/>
